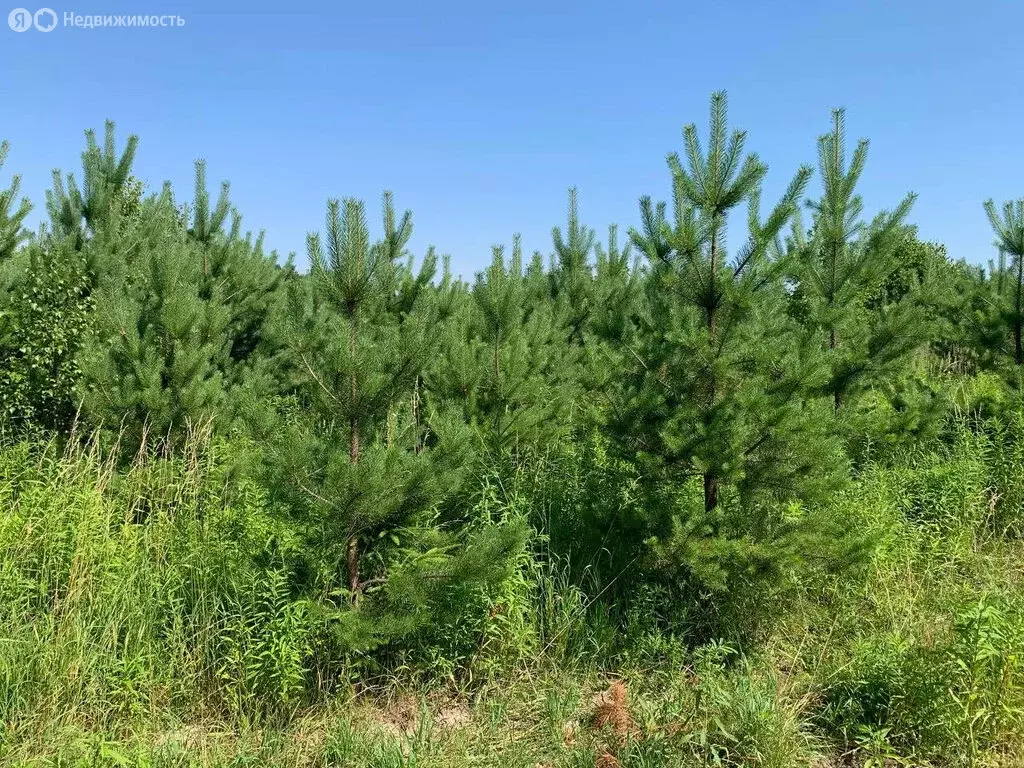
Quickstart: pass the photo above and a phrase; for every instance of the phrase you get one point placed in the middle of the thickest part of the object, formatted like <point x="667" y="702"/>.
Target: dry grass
<point x="611" y="711"/>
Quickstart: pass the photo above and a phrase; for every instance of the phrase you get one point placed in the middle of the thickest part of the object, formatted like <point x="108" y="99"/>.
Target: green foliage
<point x="364" y="469"/>
<point x="155" y="359"/>
<point x="951" y="699"/>
<point x="46" y="314"/>
<point x="844" y="264"/>
<point x="107" y="194"/>
<point x="44" y="311"/>
<point x="572" y="283"/>
<point x="102" y="612"/>
<point x="998" y="306"/>
<point x="719" y="384"/>
<point x="773" y="486"/>
<point x="247" y="282"/>
<point x="522" y="363"/>
<point x="12" y="230"/>
<point x="738" y="416"/>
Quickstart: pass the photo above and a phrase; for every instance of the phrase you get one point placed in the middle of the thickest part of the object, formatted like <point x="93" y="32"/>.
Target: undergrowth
<point x="153" y="616"/>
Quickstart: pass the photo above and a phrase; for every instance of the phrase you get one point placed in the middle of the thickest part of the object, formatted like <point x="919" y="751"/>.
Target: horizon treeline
<point x="713" y="378"/>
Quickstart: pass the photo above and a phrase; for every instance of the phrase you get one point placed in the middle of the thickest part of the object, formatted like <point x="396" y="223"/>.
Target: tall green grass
<point x="151" y="614"/>
<point x="128" y="594"/>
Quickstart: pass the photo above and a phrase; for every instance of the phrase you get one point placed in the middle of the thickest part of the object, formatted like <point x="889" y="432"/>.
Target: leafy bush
<point x="44" y="319"/>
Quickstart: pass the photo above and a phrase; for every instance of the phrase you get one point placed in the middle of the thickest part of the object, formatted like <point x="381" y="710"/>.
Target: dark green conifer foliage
<point x="911" y="401"/>
<point x="843" y="264"/>
<point x="206" y="224"/>
<point x="90" y="227"/>
<point x="720" y="373"/>
<point x="156" y="358"/>
<point x="89" y="250"/>
<point x="572" y="279"/>
<point x="367" y="467"/>
<point x="594" y="293"/>
<point x="617" y="285"/>
<point x="247" y="280"/>
<point x="454" y="374"/>
<point x="12" y="219"/>
<point x="12" y="232"/>
<point x="1005" y="299"/>
<point x="78" y="212"/>
<point x="359" y="390"/>
<point x="715" y="410"/>
<point x="524" y="361"/>
<point x="183" y="310"/>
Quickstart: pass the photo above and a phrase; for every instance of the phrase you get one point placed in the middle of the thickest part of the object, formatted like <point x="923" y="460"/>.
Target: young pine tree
<point x="514" y="365"/>
<point x="249" y="282"/>
<point x="720" y="373"/>
<point x="842" y="265"/>
<point x="182" y="309"/>
<point x="1002" y="317"/>
<point x="51" y="287"/>
<point x="154" y="361"/>
<point x="108" y="191"/>
<point x="12" y="219"/>
<point x="716" y="407"/>
<point x="366" y="471"/>
<point x="595" y="294"/>
<point x="617" y="284"/>
<point x="572" y="279"/>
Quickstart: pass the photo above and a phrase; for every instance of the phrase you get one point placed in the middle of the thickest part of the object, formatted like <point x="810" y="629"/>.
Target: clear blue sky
<point x="480" y="115"/>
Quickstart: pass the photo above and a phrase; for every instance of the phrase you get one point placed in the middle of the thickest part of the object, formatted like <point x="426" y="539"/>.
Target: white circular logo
<point x="45" y="19"/>
<point x="20" y="19"/>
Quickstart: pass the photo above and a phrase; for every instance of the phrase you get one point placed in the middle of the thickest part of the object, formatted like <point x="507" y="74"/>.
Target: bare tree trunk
<point x="354" y="584"/>
<point x="710" y="491"/>
<point x="418" y="446"/>
<point x="710" y="480"/>
<point x="711" y="283"/>
<point x="497" y="384"/>
<point x="1018" y="351"/>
